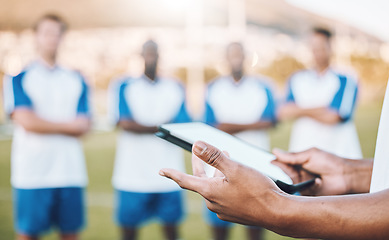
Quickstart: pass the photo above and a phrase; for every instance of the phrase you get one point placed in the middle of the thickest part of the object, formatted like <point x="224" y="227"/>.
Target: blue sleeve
<point x="83" y="102"/>
<point x="124" y="109"/>
<point x="20" y="98"/>
<point x="209" y="115"/>
<point x="269" y="114"/>
<point x="289" y="92"/>
<point x="345" y="98"/>
<point x="183" y="115"/>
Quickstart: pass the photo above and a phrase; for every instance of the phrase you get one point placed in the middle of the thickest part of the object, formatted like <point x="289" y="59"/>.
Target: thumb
<point x="290" y="158"/>
<point x="213" y="156"/>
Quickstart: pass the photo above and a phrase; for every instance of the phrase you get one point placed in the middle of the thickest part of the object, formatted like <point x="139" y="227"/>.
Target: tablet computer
<point x="185" y="135"/>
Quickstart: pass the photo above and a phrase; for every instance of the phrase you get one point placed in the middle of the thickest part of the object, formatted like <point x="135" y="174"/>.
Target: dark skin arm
<point x="362" y="216"/>
<point x="235" y="128"/>
<point x="322" y="114"/>
<point x="135" y="127"/>
<point x="33" y="123"/>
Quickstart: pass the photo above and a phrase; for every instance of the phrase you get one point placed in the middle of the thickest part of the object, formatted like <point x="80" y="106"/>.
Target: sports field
<point x="99" y="149"/>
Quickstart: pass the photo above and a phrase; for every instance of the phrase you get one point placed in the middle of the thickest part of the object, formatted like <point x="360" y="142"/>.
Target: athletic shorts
<point x="134" y="209"/>
<point x="36" y="211"/>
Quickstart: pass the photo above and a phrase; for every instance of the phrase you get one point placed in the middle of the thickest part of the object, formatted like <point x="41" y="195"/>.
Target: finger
<point x="218" y="173"/>
<point x="226" y="153"/>
<point x="291" y="158"/>
<point x="184" y="180"/>
<point x="198" y="167"/>
<point x="288" y="169"/>
<point x="213" y="156"/>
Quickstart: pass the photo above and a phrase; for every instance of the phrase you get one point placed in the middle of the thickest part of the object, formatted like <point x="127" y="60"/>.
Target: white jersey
<point x="47" y="160"/>
<point x="334" y="91"/>
<point x="139" y="157"/>
<point x="380" y="177"/>
<point x="245" y="102"/>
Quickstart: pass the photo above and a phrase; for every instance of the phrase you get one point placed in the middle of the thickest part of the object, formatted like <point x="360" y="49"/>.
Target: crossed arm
<point x="33" y="123"/>
<point x="235" y="128"/>
<point x="243" y="195"/>
<point x="135" y="127"/>
<point x="321" y="114"/>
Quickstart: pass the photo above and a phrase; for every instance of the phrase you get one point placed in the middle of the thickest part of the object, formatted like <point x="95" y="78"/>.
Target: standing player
<point x="322" y="101"/>
<point x="142" y="104"/>
<point x="243" y="106"/>
<point x="49" y="106"/>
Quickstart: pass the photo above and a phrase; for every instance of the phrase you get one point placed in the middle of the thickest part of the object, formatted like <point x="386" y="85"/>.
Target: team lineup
<point x="50" y="108"/>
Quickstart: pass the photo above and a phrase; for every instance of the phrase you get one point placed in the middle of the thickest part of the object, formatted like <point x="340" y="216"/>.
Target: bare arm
<point x="136" y="127"/>
<point x="31" y="122"/>
<point x="235" y="128"/>
<point x="322" y="114"/>
<point x="362" y="216"/>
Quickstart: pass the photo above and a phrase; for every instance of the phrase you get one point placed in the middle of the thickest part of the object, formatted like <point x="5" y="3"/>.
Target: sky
<point x="371" y="16"/>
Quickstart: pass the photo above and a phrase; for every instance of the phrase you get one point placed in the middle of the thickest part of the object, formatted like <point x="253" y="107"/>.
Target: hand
<point x="236" y="193"/>
<point x="289" y="111"/>
<point x="229" y="128"/>
<point x="78" y="127"/>
<point x="306" y="165"/>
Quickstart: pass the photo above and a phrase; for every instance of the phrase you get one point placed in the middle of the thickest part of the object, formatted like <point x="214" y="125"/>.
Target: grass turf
<point x="99" y="150"/>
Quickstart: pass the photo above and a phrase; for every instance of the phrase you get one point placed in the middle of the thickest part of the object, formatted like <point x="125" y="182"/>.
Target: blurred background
<point x="105" y="39"/>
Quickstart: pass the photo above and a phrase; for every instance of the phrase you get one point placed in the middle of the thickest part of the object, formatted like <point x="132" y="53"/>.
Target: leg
<point x="132" y="209"/>
<point x="170" y="210"/>
<point x="220" y="233"/>
<point x="255" y="233"/>
<point x="170" y="232"/>
<point x="69" y="236"/>
<point x="129" y="233"/>
<point x="32" y="212"/>
<point x="220" y="229"/>
<point x="69" y="212"/>
<point x="26" y="237"/>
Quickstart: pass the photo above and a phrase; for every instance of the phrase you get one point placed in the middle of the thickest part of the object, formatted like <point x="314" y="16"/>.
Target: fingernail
<point x="200" y="148"/>
<point x="161" y="173"/>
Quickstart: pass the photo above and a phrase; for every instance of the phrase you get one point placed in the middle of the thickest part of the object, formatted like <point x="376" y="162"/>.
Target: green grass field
<point x="99" y="149"/>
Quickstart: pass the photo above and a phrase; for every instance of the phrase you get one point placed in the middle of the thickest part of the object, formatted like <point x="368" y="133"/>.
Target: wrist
<point x="357" y="175"/>
<point x="284" y="214"/>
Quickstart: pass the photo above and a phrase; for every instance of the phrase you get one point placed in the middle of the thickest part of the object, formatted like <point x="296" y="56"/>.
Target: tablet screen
<point x="239" y="150"/>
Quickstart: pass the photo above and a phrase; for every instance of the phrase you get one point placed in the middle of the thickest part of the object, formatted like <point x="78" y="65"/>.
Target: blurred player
<point x="142" y="104"/>
<point x="322" y="101"/>
<point x="49" y="106"/>
<point x="243" y="106"/>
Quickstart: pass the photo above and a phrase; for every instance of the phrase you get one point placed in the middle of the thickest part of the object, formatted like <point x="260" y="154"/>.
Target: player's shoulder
<point x="346" y="75"/>
<point x="261" y="80"/>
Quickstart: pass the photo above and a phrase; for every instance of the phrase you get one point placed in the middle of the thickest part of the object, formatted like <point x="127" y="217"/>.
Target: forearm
<point x="135" y="127"/>
<point x="323" y="115"/>
<point x="361" y="216"/>
<point x="235" y="128"/>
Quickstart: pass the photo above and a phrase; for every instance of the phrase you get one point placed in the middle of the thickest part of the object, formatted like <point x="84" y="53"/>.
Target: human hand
<point x="236" y="193"/>
<point x="289" y="111"/>
<point x="329" y="170"/>
<point x="78" y="127"/>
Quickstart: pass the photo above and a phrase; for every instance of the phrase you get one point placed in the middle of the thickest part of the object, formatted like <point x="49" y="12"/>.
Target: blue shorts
<point x="214" y="221"/>
<point x="134" y="209"/>
<point x="37" y="210"/>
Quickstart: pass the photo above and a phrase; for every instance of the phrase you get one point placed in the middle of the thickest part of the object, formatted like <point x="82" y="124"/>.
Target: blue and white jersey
<point x="245" y="102"/>
<point x="332" y="90"/>
<point x="139" y="157"/>
<point x="47" y="160"/>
